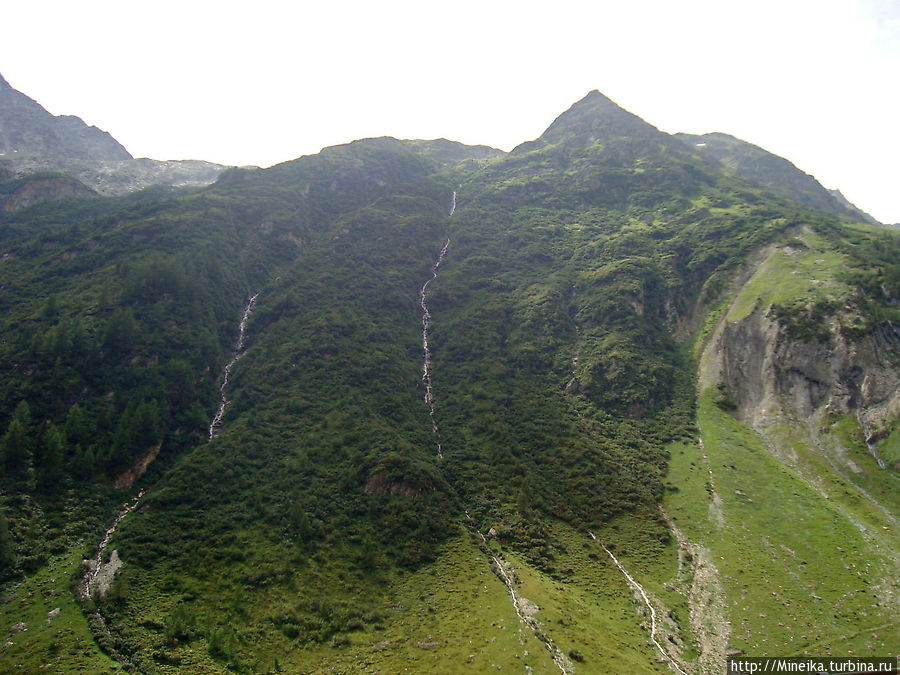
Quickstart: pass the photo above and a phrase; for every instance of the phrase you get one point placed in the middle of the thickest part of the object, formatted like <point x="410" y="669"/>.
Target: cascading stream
<point x="92" y="582"/>
<point x="640" y="589"/>
<point x="503" y="570"/>
<point x="426" y="353"/>
<point x="236" y="353"/>
<point x="426" y="324"/>
<point x="501" y="567"/>
<point x="870" y="439"/>
<point x="89" y="582"/>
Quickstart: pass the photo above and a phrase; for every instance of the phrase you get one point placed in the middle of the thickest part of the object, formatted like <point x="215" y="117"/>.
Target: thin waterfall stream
<point x="870" y="439"/>
<point x="501" y="567"/>
<point x="236" y="353"/>
<point x="426" y="352"/>
<point x="643" y="594"/>
<point x="524" y="609"/>
<point x="97" y="572"/>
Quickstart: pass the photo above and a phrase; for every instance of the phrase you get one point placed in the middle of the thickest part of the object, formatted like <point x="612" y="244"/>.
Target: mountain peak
<point x="28" y="130"/>
<point x="597" y="117"/>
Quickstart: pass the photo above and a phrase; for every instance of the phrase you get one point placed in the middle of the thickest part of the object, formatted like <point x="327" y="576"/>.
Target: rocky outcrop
<point x="34" y="142"/>
<point x="126" y="479"/>
<point x="22" y="193"/>
<point x="763" y="371"/>
<point x="108" y="178"/>
<point x="384" y="483"/>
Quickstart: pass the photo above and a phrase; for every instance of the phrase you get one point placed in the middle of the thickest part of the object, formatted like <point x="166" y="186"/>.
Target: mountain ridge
<point x="27" y="129"/>
<point x="774" y="172"/>
<point x="586" y="284"/>
<point x="34" y="143"/>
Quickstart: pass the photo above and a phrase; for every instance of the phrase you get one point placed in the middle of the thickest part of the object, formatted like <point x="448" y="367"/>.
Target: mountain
<point x="44" y="157"/>
<point x="28" y="130"/>
<point x="594" y="119"/>
<point x="595" y="405"/>
<point x="772" y="171"/>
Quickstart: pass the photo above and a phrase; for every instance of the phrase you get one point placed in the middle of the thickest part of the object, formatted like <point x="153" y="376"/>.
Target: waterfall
<point x="500" y="566"/>
<point x="426" y="353"/>
<point x="237" y="352"/>
<point x="870" y="438"/>
<point x="89" y="583"/>
<point x="505" y="571"/>
<point x="640" y="589"/>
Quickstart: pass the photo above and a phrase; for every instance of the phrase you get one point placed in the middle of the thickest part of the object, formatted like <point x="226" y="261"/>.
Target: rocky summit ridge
<point x="28" y="130"/>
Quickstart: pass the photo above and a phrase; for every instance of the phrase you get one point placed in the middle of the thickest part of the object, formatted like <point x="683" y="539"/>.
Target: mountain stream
<point x="426" y="353"/>
<point x="525" y="609"/>
<point x="503" y="570"/>
<point x="99" y="575"/>
<point x="237" y="352"/>
<point x="643" y="594"/>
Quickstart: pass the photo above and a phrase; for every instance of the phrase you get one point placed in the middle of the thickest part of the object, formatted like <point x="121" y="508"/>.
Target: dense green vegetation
<point x="578" y="267"/>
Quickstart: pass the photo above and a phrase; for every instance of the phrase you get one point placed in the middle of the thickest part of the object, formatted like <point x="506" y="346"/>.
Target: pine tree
<point x="52" y="449"/>
<point x="79" y="429"/>
<point x="16" y="446"/>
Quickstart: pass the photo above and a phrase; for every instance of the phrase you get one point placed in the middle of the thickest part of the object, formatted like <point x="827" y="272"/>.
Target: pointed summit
<point x="599" y="118"/>
<point x="593" y="119"/>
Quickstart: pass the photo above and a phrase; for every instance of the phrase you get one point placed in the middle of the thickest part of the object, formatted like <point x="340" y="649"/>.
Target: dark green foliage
<point x="7" y="550"/>
<point x="723" y="399"/>
<point x="17" y="446"/>
<point x="559" y="366"/>
<point x="180" y="625"/>
<point x="806" y="322"/>
<point x="50" y="457"/>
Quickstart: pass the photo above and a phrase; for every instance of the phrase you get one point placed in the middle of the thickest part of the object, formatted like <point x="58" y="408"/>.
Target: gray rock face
<point x="116" y="177"/>
<point x="34" y="143"/>
<point x="20" y="194"/>
<point x="762" y="369"/>
<point x="27" y="130"/>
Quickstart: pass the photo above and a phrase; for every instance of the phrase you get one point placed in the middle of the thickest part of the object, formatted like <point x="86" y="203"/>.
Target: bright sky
<point x="815" y="81"/>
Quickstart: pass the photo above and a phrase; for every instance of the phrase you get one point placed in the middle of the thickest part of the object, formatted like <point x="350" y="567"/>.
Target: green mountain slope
<point x="336" y="524"/>
<point x="774" y="172"/>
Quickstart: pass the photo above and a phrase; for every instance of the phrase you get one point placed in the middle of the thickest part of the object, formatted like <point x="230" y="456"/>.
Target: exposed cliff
<point x="770" y="372"/>
<point x="763" y="370"/>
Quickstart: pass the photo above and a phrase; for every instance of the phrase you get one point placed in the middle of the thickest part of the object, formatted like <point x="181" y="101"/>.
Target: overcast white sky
<point x="815" y="81"/>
